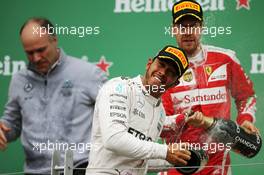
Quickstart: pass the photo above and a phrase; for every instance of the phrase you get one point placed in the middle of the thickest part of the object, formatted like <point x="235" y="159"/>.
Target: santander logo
<point x="200" y="97"/>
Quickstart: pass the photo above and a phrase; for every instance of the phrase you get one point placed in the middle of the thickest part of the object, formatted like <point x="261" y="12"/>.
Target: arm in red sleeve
<point x="243" y="93"/>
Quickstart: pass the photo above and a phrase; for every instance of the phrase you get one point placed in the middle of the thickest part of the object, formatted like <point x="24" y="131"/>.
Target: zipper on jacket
<point x="45" y="87"/>
<point x="152" y="120"/>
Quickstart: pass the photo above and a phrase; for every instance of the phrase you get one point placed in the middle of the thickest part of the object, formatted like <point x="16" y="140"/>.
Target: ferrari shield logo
<point x="208" y="70"/>
<point x="188" y="76"/>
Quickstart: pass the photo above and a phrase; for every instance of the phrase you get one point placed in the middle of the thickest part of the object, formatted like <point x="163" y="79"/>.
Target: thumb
<point x="5" y="128"/>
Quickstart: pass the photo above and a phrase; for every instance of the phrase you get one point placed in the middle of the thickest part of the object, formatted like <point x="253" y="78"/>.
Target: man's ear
<point x="150" y="61"/>
<point x="53" y="39"/>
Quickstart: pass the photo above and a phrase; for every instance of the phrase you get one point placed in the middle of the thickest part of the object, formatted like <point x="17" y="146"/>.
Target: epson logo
<point x="137" y="6"/>
<point x="244" y="142"/>
<point x="138" y="134"/>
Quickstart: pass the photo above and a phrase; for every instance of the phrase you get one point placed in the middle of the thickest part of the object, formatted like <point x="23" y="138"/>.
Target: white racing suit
<point x="127" y="121"/>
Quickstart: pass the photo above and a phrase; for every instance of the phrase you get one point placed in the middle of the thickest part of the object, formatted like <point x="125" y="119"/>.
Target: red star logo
<point x="104" y="64"/>
<point x="243" y="3"/>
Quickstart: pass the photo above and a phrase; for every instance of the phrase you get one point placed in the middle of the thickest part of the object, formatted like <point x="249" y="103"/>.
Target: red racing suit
<point x="208" y="86"/>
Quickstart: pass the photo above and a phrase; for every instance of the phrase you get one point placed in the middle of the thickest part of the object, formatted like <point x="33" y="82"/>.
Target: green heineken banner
<point x="120" y="36"/>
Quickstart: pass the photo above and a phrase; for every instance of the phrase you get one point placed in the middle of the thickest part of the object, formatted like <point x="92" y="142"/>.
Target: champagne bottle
<point x="227" y="131"/>
<point x="198" y="160"/>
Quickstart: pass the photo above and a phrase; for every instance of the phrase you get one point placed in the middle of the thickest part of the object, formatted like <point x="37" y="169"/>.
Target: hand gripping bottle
<point x="198" y="160"/>
<point x="227" y="131"/>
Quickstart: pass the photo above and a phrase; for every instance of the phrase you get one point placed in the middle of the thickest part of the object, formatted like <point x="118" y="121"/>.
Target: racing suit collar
<point x="199" y="58"/>
<point x="155" y="101"/>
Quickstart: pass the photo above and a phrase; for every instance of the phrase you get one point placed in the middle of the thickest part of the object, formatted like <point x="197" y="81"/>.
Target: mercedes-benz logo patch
<point x="28" y="87"/>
